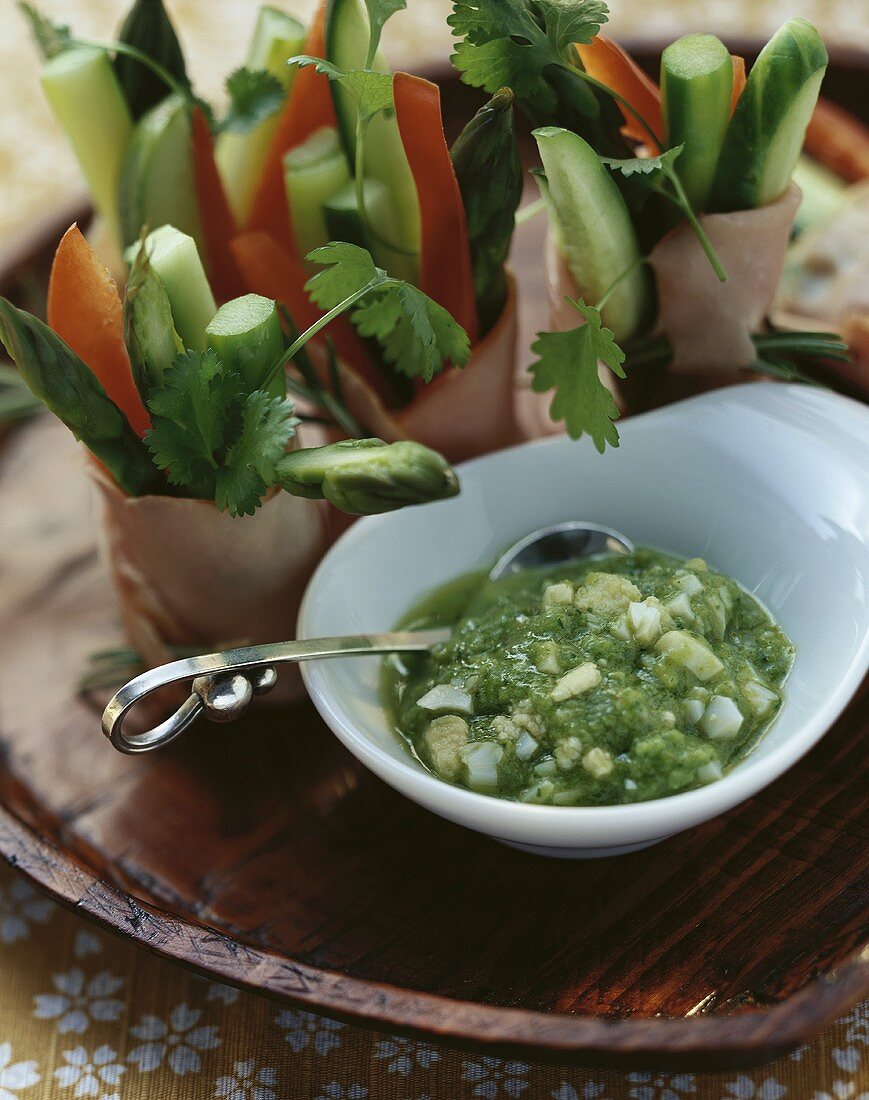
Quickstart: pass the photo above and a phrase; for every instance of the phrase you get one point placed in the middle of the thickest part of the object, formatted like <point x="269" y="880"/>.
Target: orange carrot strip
<point x="607" y="62"/>
<point x="838" y="140"/>
<point x="308" y="107"/>
<point x="84" y="309"/>
<point x="738" y="80"/>
<point x="218" y="224"/>
<point x="445" y="260"/>
<point x="276" y="273"/>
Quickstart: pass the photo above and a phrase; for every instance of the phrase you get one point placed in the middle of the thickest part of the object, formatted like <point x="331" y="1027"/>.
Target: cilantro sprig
<point x="254" y="95"/>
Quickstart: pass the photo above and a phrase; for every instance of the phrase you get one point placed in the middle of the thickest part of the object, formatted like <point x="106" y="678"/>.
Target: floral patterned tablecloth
<point x="83" y="1014"/>
<point x="86" y="1014"/>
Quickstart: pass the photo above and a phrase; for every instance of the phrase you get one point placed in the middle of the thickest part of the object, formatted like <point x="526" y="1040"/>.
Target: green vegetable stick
<point x="240" y="156"/>
<point x="72" y="392"/>
<point x="149" y="330"/>
<point x="148" y="28"/>
<point x="765" y="135"/>
<point x="157" y="185"/>
<point x="486" y="160"/>
<point x="175" y="260"/>
<point x="368" y="476"/>
<point x="87" y="101"/>
<point x="343" y="219"/>
<point x="246" y="335"/>
<point x="314" y="172"/>
<point x="696" y="88"/>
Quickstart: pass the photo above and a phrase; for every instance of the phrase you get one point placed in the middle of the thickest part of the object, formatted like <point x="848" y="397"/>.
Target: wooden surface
<point x="264" y="854"/>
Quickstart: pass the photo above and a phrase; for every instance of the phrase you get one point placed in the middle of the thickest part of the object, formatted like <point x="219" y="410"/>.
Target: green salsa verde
<point x="612" y="680"/>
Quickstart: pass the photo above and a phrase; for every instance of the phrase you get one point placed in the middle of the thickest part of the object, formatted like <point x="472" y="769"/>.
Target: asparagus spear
<point x="72" y="392"/>
<point x="486" y="159"/>
<point x="148" y="28"/>
<point x="367" y="476"/>
<point x="149" y="330"/>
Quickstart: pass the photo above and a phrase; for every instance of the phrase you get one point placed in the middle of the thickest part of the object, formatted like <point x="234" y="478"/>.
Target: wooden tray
<point x="264" y="855"/>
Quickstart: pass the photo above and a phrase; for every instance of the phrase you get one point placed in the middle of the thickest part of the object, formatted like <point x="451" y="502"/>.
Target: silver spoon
<point x="224" y="683"/>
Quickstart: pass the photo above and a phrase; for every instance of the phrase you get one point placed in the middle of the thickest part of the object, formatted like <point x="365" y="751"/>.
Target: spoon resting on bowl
<point x="224" y="683"/>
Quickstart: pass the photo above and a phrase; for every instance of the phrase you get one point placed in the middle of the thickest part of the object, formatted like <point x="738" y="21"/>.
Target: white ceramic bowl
<point x="769" y="482"/>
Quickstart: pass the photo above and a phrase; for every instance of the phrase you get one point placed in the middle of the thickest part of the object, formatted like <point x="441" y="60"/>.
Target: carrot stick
<point x="307" y="107"/>
<point x="445" y="260"/>
<point x="738" y="80"/>
<point x="276" y="273"/>
<point x="607" y="62"/>
<point x="218" y="224"/>
<point x="838" y="140"/>
<point x="84" y="309"/>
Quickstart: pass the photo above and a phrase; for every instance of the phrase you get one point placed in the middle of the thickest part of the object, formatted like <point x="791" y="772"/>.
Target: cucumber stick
<point x="696" y="87"/>
<point x="84" y="93"/>
<point x="240" y="156"/>
<point x="313" y="172"/>
<point x="765" y="135"/>
<point x="157" y="184"/>
<point x="347" y="34"/>
<point x="593" y="228"/>
<point x="343" y="220"/>
<point x="246" y="334"/>
<point x="175" y="260"/>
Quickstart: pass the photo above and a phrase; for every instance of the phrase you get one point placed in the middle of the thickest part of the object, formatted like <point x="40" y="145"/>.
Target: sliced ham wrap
<point x="189" y="576"/>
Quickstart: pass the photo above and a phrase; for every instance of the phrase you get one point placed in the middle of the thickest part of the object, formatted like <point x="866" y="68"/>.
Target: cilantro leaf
<point x="416" y="334"/>
<point x="249" y="468"/>
<point x="191" y="417"/>
<point x="51" y="38"/>
<point x="379" y="12"/>
<point x="509" y="42"/>
<point x="371" y="90"/>
<point x="254" y="95"/>
<point x="568" y="364"/>
<point x="644" y="166"/>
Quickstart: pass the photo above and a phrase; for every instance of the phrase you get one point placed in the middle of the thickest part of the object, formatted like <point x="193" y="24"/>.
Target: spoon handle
<point x="223" y="683"/>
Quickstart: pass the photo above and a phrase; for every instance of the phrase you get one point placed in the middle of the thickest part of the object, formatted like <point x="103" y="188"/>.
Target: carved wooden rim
<point x="752" y="1036"/>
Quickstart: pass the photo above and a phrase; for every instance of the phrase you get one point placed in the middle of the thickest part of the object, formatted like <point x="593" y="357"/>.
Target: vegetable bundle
<point x="691" y="178"/>
<point x="320" y="144"/>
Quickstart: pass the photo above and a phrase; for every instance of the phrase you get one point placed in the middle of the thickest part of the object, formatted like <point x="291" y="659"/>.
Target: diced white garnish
<point x="689" y="584"/>
<point x="566" y="798"/>
<point x="719" y="616"/>
<point x="540" y="792"/>
<point x="759" y="697"/>
<point x="546" y="767"/>
<point x="597" y="762"/>
<point x="691" y="653"/>
<point x="526" y="746"/>
<point x="579" y="680"/>
<point x="697" y="564"/>
<point x="481" y="760"/>
<point x="547" y="658"/>
<point x="445" y="738"/>
<point x="722" y="719"/>
<point x="630" y="785"/>
<point x="708" y="773"/>
<point x="680" y="607"/>
<point x="644" y="620"/>
<point x="555" y="594"/>
<point x="668" y="718"/>
<point x="620" y="629"/>
<point x="567" y="752"/>
<point x="606" y="593"/>
<point x="693" y="710"/>
<point x="446" y="697"/>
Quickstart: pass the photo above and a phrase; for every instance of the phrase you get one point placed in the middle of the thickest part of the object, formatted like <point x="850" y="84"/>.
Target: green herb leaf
<point x="193" y="413"/>
<point x="644" y="166"/>
<point x="416" y="334"/>
<point x="250" y="466"/>
<point x="379" y="12"/>
<point x="510" y="43"/>
<point x="63" y="383"/>
<point x="254" y="95"/>
<point x="371" y="90"/>
<point x="568" y="364"/>
<point x="51" y="38"/>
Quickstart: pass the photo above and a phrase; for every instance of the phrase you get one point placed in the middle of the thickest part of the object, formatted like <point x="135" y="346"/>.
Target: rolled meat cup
<point x="462" y="413"/>
<point x="189" y="576"/>
<point x="708" y="323"/>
